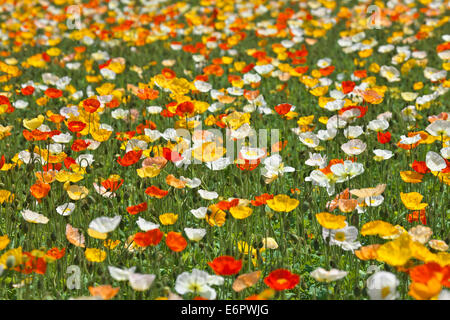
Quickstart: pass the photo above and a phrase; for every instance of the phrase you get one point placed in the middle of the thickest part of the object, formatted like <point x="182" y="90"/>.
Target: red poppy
<point x="5" y="100"/>
<point x="79" y="145"/>
<point x="425" y="272"/>
<point x="301" y="70"/>
<point x="53" y="93"/>
<point x="347" y="86"/>
<point x="28" y="90"/>
<point x="149" y="238"/>
<point x="168" y="73"/>
<point x="248" y="165"/>
<point x="104" y="65"/>
<point x="418" y="215"/>
<point x="227" y="205"/>
<point x="226" y="265"/>
<point x="248" y="68"/>
<point x="76" y="126"/>
<point x="327" y="71"/>
<point x="185" y="108"/>
<point x="68" y="161"/>
<point x="112" y="185"/>
<point x="362" y="110"/>
<point x="31" y="264"/>
<point x="420" y="167"/>
<point x="384" y="137"/>
<point x="175" y="241"/>
<point x="156" y="192"/>
<point x="130" y="158"/>
<point x="283" y="108"/>
<point x="171" y="155"/>
<point x="282" y="279"/>
<point x="91" y="105"/>
<point x="137" y="208"/>
<point x="262" y="199"/>
<point x="2" y="161"/>
<point x="55" y="253"/>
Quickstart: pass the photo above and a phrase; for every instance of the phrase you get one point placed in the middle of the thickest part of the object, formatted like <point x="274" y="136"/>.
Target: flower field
<point x="218" y="149"/>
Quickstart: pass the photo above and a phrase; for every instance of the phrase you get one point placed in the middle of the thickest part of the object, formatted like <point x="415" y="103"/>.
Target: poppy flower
<point x="283" y="108"/>
<point x="347" y="86"/>
<point x="28" y="90"/>
<point x="147" y="94"/>
<point x="226" y="265"/>
<point x="420" y="167"/>
<point x="112" y="184"/>
<point x="56" y="253"/>
<point x="40" y="190"/>
<point x="170" y="155"/>
<point x="79" y="145"/>
<point x="156" y="192"/>
<point x="248" y="165"/>
<point x="384" y="137"/>
<point x="53" y="93"/>
<point x="91" y="105"/>
<point x="2" y="161"/>
<point x="282" y="279"/>
<point x="137" y="208"/>
<point x="418" y="215"/>
<point x="68" y="161"/>
<point x="130" y="158"/>
<point x="227" y="205"/>
<point x="76" y="126"/>
<point x="185" y="108"/>
<point x="175" y="241"/>
<point x="361" y="109"/>
<point x="149" y="238"/>
<point x="327" y="71"/>
<point x="168" y="73"/>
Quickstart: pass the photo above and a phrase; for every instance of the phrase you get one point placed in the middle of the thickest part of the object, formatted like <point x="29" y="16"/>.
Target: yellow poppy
<point x="331" y="221"/>
<point x="282" y="203"/>
<point x="168" y="218"/>
<point x="378" y="227"/>
<point x="412" y="200"/>
<point x="95" y="255"/>
<point x="241" y="212"/>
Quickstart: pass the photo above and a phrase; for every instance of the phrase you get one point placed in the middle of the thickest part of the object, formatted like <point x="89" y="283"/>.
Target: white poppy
<point x="105" y="224"/>
<point x="195" y="234"/>
<point x="354" y="147"/>
<point x="141" y="282"/>
<point x="382" y="285"/>
<point x="322" y="275"/>
<point x="34" y="217"/>
<point x="145" y="225"/>
<point x="120" y="274"/>
<point x="66" y="209"/>
<point x="208" y="195"/>
<point x="199" y="213"/>
<point x="347" y="170"/>
<point x="434" y="161"/>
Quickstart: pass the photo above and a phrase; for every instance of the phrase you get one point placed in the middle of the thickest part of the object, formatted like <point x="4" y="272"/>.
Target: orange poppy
<point x="156" y="192"/>
<point x="367" y="252"/>
<point x="28" y="90"/>
<point x="282" y="279"/>
<point x="226" y="265"/>
<point x="91" y="105"/>
<point x="55" y="253"/>
<point x="105" y="291"/>
<point x="76" y="126"/>
<point x="147" y="94"/>
<point x="227" y="205"/>
<point x="149" y="238"/>
<point x="112" y="184"/>
<point x="175" y="241"/>
<point x="79" y="145"/>
<point x="137" y="208"/>
<point x="53" y="93"/>
<point x="130" y="158"/>
<point x="262" y="199"/>
<point x="40" y="190"/>
<point x="168" y="73"/>
<point x="174" y="182"/>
